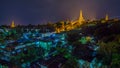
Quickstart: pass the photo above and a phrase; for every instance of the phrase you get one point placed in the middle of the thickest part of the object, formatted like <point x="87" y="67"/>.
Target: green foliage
<point x="115" y="60"/>
<point x="110" y="52"/>
<point x="73" y="36"/>
<point x="71" y="63"/>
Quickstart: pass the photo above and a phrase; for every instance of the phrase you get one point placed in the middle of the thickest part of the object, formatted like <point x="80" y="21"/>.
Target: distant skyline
<point x="42" y="11"/>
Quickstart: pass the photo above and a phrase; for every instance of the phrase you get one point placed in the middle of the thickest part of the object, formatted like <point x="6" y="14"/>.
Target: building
<point x="13" y="24"/>
<point x="81" y="19"/>
<point x="71" y="24"/>
<point x="106" y="17"/>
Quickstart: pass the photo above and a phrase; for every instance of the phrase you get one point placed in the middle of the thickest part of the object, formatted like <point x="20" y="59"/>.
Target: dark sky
<point x="41" y="11"/>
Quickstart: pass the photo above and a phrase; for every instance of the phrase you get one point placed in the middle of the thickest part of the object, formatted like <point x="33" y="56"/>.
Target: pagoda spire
<point x="13" y="24"/>
<point x="81" y="19"/>
<point x="106" y="17"/>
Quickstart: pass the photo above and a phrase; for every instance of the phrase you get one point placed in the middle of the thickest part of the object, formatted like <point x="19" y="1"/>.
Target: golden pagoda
<point x="81" y="19"/>
<point x="106" y="17"/>
<point x="13" y="24"/>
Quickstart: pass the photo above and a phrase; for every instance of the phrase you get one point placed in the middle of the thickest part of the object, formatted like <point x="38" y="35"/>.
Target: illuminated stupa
<point x="13" y="24"/>
<point x="81" y="19"/>
<point x="106" y="17"/>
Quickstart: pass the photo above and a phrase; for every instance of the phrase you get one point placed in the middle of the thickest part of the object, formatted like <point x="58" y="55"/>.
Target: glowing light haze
<point x="41" y="11"/>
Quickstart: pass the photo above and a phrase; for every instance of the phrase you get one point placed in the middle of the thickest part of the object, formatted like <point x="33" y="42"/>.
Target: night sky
<point x="42" y="11"/>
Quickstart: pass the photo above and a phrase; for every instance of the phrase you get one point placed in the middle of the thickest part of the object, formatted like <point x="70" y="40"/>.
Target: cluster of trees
<point x="109" y="52"/>
<point x="74" y="51"/>
<point x="70" y="61"/>
<point x="29" y="55"/>
<point x="108" y="37"/>
<point x="80" y="50"/>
